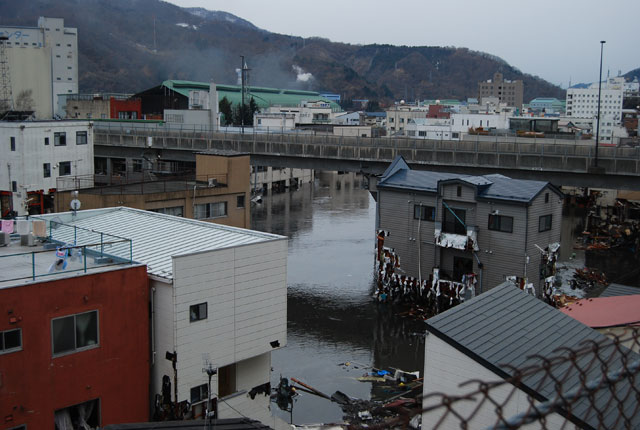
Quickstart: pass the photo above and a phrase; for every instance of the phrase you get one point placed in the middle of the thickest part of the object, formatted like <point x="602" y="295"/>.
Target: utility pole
<point x="595" y="163"/>
<point x="244" y="80"/>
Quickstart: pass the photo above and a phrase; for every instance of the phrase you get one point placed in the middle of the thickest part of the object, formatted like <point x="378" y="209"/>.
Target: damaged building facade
<point x="478" y="228"/>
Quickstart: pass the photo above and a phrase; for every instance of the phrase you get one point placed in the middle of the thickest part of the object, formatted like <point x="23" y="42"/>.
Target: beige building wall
<point x="30" y="70"/>
<point x="509" y="92"/>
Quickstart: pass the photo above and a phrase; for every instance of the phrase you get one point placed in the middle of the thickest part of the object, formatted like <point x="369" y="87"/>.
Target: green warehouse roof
<point x="264" y="97"/>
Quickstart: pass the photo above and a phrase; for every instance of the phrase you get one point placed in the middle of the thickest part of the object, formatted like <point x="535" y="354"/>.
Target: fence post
<point x="33" y="266"/>
<point x="84" y="254"/>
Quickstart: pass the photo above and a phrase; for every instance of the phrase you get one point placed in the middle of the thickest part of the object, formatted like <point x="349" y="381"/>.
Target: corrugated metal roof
<point x="157" y="237"/>
<point x="619" y="290"/>
<point x="263" y="96"/>
<point x="494" y="187"/>
<point x="503" y="327"/>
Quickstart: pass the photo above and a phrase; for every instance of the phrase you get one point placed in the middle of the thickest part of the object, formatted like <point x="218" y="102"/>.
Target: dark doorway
<point x="461" y="266"/>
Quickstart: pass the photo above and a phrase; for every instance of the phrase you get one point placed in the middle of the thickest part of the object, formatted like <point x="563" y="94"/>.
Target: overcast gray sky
<point x="557" y="40"/>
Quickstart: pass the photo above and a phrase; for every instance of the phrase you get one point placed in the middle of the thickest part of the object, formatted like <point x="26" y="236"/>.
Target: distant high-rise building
<point x="43" y="63"/>
<point x="509" y="92"/>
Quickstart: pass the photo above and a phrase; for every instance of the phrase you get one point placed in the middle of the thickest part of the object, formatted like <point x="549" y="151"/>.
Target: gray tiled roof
<point x="503" y="327"/>
<point x="494" y="187"/>
<point x="619" y="290"/>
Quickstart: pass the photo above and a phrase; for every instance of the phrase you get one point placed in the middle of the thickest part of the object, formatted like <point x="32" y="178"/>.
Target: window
<point x="13" y="143"/>
<point x="211" y="210"/>
<point x="198" y="312"/>
<point x="46" y="141"/>
<point x="455" y="135"/>
<point x="60" y="139"/>
<point x="74" y="333"/>
<point x="422" y="133"/>
<point x="81" y="137"/>
<point x="46" y="170"/>
<point x="137" y="165"/>
<point x="14" y="186"/>
<point x="454" y="223"/>
<point x="10" y="340"/>
<point x="544" y="224"/>
<point x="425" y="213"/>
<point x="65" y="168"/>
<point x="175" y="211"/>
<point x="240" y="201"/>
<point x="199" y="393"/>
<point x="546" y="197"/>
<point x="501" y="223"/>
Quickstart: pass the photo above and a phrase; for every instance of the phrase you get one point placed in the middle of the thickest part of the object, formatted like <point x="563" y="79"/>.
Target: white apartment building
<point x="39" y="156"/>
<point x="399" y="116"/>
<point x="43" y="62"/>
<point x="583" y="102"/>
<point x="218" y="296"/>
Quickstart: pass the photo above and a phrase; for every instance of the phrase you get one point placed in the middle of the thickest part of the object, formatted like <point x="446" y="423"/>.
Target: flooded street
<point x="331" y="316"/>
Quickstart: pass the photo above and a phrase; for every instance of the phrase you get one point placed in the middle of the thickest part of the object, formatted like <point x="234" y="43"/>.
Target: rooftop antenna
<point x="6" y="96"/>
<point x="75" y="203"/>
<point x="210" y="370"/>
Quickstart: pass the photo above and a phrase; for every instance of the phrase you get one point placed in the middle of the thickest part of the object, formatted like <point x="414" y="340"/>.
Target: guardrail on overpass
<point x="484" y="152"/>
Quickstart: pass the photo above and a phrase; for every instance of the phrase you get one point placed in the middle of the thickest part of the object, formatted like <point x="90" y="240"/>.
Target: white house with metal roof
<point x="218" y="296"/>
<point x="491" y="337"/>
<point x="489" y="226"/>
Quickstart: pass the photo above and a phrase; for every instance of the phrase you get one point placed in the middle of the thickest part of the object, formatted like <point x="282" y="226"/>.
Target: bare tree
<point x="24" y="100"/>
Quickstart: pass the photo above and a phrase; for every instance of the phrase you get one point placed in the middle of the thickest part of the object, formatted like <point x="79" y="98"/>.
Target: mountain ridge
<point x="132" y="45"/>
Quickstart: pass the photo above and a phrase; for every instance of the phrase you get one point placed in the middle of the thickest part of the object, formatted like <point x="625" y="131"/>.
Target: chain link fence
<point x="594" y="386"/>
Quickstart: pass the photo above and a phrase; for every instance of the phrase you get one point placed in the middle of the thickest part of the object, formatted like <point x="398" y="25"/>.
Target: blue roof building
<point x="489" y="226"/>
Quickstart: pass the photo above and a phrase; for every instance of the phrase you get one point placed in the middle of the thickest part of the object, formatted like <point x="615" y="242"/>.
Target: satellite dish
<point x="75" y="204"/>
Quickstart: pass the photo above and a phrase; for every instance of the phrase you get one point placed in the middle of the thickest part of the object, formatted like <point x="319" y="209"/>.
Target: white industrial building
<point x="456" y="126"/>
<point x="218" y="297"/>
<point x="43" y="62"/>
<point x="307" y="112"/>
<point x="39" y="156"/>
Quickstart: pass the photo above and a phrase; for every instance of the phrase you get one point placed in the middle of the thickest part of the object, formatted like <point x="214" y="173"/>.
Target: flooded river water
<point x="332" y="318"/>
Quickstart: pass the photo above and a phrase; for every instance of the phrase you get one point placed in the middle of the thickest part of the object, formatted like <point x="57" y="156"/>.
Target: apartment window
<point x="454" y="220"/>
<point x="137" y="165"/>
<point x="174" y="210"/>
<point x="544" y="223"/>
<point x="13" y="143"/>
<point x="74" y="333"/>
<point x="46" y="141"/>
<point x="198" y="312"/>
<point x="81" y="137"/>
<point x="65" y="168"/>
<point x="199" y="394"/>
<point x="60" y="139"/>
<point x="240" y="201"/>
<point x="46" y="170"/>
<point x="455" y="135"/>
<point x="211" y="210"/>
<point x="424" y="213"/>
<point x="422" y="133"/>
<point x="501" y="223"/>
<point x="10" y="341"/>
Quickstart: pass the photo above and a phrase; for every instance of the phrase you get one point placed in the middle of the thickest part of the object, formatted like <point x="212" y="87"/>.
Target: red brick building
<point x="74" y="348"/>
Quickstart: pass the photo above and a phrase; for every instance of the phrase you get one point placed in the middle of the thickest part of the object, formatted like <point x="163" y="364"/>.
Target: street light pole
<point x="595" y="164"/>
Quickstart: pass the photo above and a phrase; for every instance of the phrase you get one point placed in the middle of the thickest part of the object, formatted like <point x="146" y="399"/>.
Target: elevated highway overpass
<point x="562" y="162"/>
